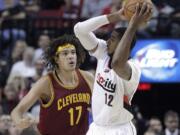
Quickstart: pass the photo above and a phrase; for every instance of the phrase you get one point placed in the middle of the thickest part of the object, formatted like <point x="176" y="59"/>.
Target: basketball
<point x="130" y="8"/>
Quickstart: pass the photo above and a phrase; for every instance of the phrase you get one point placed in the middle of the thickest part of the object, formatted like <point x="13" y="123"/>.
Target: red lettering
<point x="100" y="79"/>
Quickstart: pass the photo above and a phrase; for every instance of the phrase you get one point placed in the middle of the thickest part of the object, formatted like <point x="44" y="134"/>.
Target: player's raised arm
<point x="84" y="30"/>
<point x="120" y="58"/>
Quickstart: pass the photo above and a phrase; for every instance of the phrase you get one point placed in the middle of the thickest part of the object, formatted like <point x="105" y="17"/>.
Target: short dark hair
<point x="121" y="32"/>
<point x="171" y="113"/>
<point x="50" y="53"/>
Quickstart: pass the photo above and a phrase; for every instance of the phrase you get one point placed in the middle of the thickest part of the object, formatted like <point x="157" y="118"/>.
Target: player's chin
<point x="71" y="68"/>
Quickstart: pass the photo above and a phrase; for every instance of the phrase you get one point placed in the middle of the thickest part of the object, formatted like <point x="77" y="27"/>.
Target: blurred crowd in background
<point x="28" y="26"/>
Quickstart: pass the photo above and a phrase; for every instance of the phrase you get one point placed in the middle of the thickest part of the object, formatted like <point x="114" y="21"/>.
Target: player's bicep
<point x="91" y="81"/>
<point x="89" y="77"/>
<point x="27" y="101"/>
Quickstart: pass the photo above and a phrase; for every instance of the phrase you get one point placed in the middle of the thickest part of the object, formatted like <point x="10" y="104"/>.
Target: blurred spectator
<point x="166" y="9"/>
<point x="31" y="6"/>
<point x="17" y="53"/>
<point x="148" y="30"/>
<point x="19" y="83"/>
<point x="155" y="125"/>
<point x="35" y="111"/>
<point x="5" y="124"/>
<point x="11" y="98"/>
<point x="113" y="6"/>
<point x="174" y="23"/>
<point x="24" y="68"/>
<point x="29" y="131"/>
<point x="40" y="69"/>
<point x="71" y="9"/>
<point x="7" y="127"/>
<point x="43" y="43"/>
<point x="11" y="9"/>
<point x="149" y="133"/>
<point x="11" y="13"/>
<point x="4" y="4"/>
<point x="49" y="4"/>
<point x="29" y="81"/>
<point x="1" y="110"/>
<point x="174" y="3"/>
<point x="171" y="121"/>
<point x="3" y="74"/>
<point x="14" y="131"/>
<point x="92" y="8"/>
<point x="139" y="120"/>
<point x="22" y="86"/>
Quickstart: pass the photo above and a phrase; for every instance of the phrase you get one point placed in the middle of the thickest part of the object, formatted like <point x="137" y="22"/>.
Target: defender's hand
<point x="24" y="122"/>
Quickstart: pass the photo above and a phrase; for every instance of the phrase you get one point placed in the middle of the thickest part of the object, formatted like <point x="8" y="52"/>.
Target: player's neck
<point x="67" y="77"/>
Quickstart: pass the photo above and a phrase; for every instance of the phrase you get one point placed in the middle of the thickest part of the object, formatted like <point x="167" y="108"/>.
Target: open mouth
<point x="71" y="63"/>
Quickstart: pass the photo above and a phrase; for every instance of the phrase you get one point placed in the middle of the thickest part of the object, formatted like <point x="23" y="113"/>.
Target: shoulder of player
<point x="43" y="84"/>
<point x="134" y="64"/>
<point x="43" y="79"/>
<point x="88" y="77"/>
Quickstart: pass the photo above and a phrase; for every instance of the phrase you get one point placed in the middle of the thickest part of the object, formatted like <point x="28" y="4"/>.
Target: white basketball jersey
<point x="109" y="90"/>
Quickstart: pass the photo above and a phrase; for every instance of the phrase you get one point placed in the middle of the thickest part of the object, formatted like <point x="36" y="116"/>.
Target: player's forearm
<point x="122" y="51"/>
<point x="97" y="22"/>
<point x="16" y="115"/>
<point x="91" y="24"/>
<point x="83" y="30"/>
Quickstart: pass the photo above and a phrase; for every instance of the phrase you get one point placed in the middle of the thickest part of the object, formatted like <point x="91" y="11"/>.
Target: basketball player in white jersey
<point x="116" y="75"/>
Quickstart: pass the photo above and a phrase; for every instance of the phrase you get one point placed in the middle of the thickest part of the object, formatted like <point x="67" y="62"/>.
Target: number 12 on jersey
<point x="108" y="99"/>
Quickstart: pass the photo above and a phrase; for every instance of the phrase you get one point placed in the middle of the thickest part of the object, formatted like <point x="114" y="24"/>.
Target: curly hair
<point x="50" y="52"/>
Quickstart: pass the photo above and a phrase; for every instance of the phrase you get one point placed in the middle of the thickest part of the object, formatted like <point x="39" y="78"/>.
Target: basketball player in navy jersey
<point x="116" y="76"/>
<point x="64" y="93"/>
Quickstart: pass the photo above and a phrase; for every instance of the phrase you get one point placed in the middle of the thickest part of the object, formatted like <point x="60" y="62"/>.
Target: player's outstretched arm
<point x="19" y="119"/>
<point x="122" y="52"/>
<point x="84" y="30"/>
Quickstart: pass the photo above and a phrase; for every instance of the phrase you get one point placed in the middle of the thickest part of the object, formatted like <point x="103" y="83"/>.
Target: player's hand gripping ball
<point x="130" y="8"/>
